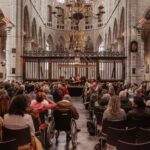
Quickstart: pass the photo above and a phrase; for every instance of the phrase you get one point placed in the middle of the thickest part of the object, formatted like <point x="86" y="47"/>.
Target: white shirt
<point x="19" y="122"/>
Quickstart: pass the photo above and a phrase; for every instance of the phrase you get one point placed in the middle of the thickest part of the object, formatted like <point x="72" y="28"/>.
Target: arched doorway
<point x="89" y="45"/>
<point x="49" y="44"/>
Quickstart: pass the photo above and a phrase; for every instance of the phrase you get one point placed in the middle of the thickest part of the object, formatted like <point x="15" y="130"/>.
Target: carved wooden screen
<point x="42" y="65"/>
<point x="111" y="70"/>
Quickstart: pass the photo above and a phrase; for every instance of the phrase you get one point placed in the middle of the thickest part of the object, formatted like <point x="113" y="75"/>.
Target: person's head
<point x="67" y="97"/>
<point x="46" y="89"/>
<point x="114" y="104"/>
<point x="40" y="96"/>
<point x="138" y="92"/>
<point x="123" y="96"/>
<point x="138" y="102"/>
<point x="18" y="105"/>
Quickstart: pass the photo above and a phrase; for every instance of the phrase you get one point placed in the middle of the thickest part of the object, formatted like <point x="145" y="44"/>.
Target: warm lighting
<point x="77" y="41"/>
<point x="77" y="10"/>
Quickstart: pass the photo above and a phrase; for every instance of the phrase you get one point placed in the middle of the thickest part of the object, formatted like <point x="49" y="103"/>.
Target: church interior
<point x="74" y="74"/>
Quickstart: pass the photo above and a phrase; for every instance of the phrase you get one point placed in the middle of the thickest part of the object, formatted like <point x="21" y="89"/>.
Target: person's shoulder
<point x="64" y="103"/>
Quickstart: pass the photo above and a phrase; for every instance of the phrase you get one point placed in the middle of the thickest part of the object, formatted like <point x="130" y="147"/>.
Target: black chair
<point x="144" y="123"/>
<point x="105" y="125"/>
<point x="99" y="115"/>
<point x="143" y="135"/>
<point x="114" y="124"/>
<point x="22" y="136"/>
<point x="9" y="145"/>
<point x="132" y="146"/>
<point x="128" y="135"/>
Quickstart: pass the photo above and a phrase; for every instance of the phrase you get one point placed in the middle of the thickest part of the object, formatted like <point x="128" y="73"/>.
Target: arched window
<point x="49" y="13"/>
<point x="101" y="47"/>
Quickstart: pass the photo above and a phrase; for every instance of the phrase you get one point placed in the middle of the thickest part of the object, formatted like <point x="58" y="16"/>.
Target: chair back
<point x="143" y="135"/>
<point x="144" y="123"/>
<point x="62" y="119"/>
<point x="113" y="135"/>
<point x="132" y="146"/>
<point x="22" y="136"/>
<point x="114" y="124"/>
<point x="99" y="115"/>
<point x="9" y="145"/>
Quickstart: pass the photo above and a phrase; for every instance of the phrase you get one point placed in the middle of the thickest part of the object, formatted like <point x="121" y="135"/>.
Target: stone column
<point x="140" y="60"/>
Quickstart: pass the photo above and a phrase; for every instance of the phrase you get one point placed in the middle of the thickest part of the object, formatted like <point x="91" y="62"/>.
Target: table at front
<point x="75" y="90"/>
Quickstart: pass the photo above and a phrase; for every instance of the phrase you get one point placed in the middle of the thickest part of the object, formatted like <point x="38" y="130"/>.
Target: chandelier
<point x="77" y="10"/>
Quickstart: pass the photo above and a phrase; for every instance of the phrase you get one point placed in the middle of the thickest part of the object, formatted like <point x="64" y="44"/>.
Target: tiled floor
<point x="85" y="142"/>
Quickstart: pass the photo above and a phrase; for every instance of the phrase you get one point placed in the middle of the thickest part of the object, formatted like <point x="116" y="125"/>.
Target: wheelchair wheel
<point x="74" y="133"/>
<point x="50" y="132"/>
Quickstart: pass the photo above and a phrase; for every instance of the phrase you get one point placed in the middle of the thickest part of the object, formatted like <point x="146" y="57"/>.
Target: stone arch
<point x="99" y="43"/>
<point x="89" y="45"/>
<point x="49" y="43"/>
<point x="40" y="38"/>
<point x="34" y="35"/>
<point x="115" y="30"/>
<point x="115" y="35"/>
<point x="49" y="13"/>
<point x="26" y="30"/>
<point x="122" y="30"/>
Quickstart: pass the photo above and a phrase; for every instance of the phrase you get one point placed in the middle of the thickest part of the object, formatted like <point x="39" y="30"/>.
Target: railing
<point x="43" y="53"/>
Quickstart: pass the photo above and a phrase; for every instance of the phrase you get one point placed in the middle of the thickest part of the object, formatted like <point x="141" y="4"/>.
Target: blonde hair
<point x="114" y="104"/>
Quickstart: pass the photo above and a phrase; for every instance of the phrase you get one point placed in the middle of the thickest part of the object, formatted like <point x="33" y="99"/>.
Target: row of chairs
<point x="14" y="138"/>
<point x="112" y="131"/>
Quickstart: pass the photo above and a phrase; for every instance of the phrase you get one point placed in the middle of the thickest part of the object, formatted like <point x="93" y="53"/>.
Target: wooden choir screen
<point x="36" y="69"/>
<point x="70" y="69"/>
<point x="46" y="69"/>
<point x="111" y="70"/>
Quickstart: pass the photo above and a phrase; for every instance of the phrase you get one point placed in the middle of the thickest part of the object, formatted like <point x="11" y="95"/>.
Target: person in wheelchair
<point x="65" y="105"/>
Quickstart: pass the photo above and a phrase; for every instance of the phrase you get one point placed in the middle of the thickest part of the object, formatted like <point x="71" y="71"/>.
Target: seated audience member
<point x="139" y="110"/>
<point x="103" y="102"/>
<point x="42" y="105"/>
<point x="31" y="91"/>
<point x="16" y="118"/>
<point x="138" y="92"/>
<point x="125" y="103"/>
<point x="57" y="93"/>
<point x="46" y="90"/>
<point x="4" y="102"/>
<point x="65" y="104"/>
<point x="113" y="111"/>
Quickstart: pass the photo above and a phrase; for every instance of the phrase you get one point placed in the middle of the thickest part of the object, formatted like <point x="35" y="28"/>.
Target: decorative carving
<point x="133" y="46"/>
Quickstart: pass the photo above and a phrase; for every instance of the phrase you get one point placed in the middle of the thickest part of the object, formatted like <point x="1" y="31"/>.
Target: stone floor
<point x="85" y="142"/>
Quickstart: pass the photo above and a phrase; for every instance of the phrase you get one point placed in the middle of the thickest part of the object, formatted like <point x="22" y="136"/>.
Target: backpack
<point x="91" y="127"/>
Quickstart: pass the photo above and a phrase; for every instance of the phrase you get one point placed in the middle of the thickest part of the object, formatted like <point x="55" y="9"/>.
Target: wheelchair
<point x="62" y="120"/>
